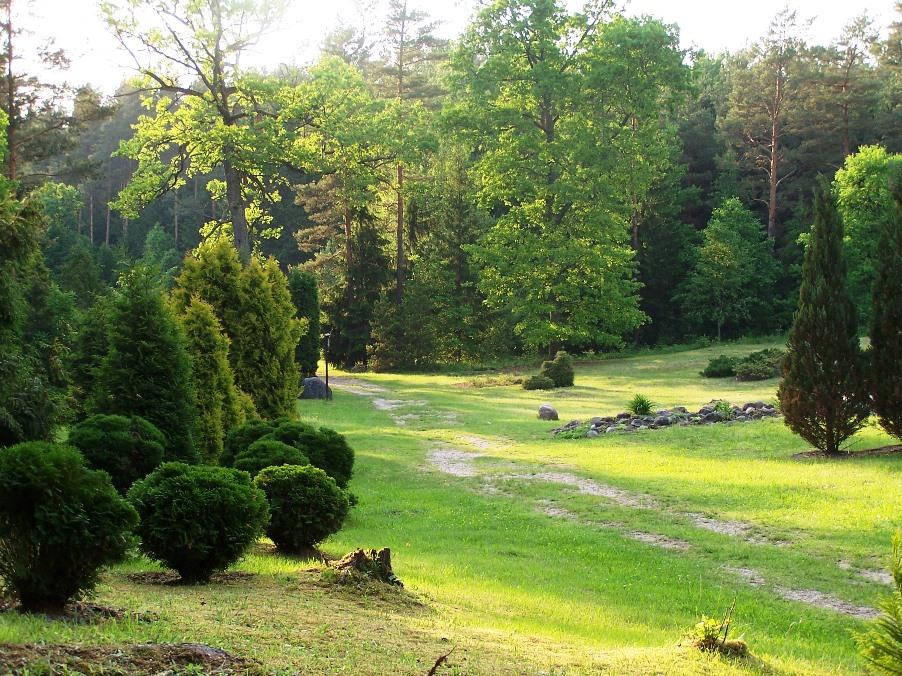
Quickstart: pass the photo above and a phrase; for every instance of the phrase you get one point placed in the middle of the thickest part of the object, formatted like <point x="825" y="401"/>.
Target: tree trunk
<point x="399" y="236"/>
<point x="772" y="184"/>
<point x="106" y="235"/>
<point x="236" y="211"/>
<point x="12" y="154"/>
<point x="91" y="217"/>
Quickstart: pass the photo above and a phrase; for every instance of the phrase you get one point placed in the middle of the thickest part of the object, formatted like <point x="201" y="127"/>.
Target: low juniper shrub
<point x="198" y="519"/>
<point x="306" y="506"/>
<point x="268" y="452"/>
<point x="538" y="383"/>
<point x="60" y="524"/>
<point x="127" y="448"/>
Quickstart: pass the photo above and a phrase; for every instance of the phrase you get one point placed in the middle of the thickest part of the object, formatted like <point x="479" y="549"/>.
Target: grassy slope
<point x="516" y="590"/>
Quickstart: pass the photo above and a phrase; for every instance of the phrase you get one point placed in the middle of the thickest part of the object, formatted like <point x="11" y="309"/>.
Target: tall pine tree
<point x="305" y="297"/>
<point x="822" y="393"/>
<point x="886" y="322"/>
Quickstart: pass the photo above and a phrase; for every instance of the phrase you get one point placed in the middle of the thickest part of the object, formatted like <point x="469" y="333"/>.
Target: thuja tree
<point x="305" y="297"/>
<point x="267" y="333"/>
<point x="886" y="322"/>
<point x="146" y="370"/>
<point x="822" y="390"/>
<point x="216" y="395"/>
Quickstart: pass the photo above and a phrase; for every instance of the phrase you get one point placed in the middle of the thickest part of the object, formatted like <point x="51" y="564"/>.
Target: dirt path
<point x="455" y="462"/>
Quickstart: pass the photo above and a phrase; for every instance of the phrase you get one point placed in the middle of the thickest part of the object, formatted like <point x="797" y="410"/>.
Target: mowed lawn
<point x="542" y="555"/>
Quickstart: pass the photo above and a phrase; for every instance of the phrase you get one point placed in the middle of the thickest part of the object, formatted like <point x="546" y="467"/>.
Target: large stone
<point x="663" y="420"/>
<point x="315" y="388"/>
<point x="547" y="412"/>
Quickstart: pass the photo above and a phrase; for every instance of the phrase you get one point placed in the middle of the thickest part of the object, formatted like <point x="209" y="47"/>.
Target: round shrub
<point x="125" y="447"/>
<point x="538" y="383"/>
<point x="560" y="370"/>
<point x="306" y="505"/>
<point x="267" y="452"/>
<point x="239" y="438"/>
<point x="325" y="448"/>
<point x="198" y="519"/>
<point x="720" y="366"/>
<point x="60" y="523"/>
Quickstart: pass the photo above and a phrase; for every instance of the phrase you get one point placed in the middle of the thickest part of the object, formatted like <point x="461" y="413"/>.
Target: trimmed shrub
<point x="239" y="438"/>
<point x="127" y="448"/>
<point x="268" y="452"/>
<point x="325" y="448"/>
<point x="538" y="383"/>
<point x="60" y="523"/>
<point x="198" y="519"/>
<point x="559" y="370"/>
<point x="720" y="366"/>
<point x="761" y="365"/>
<point x="306" y="505"/>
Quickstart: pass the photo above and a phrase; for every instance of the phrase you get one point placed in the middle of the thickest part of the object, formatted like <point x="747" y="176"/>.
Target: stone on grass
<point x="315" y="388"/>
<point x="547" y="412"/>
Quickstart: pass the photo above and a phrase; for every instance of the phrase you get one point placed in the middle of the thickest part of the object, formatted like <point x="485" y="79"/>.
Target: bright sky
<point x="714" y="25"/>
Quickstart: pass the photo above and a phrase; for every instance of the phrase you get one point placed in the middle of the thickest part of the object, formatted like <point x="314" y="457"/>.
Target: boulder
<point x="547" y="412"/>
<point x="592" y="433"/>
<point x="612" y="428"/>
<point x="315" y="388"/>
<point x="712" y="417"/>
<point x="663" y="421"/>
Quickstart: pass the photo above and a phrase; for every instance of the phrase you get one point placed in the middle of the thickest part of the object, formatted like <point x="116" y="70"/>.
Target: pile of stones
<point x="714" y="412"/>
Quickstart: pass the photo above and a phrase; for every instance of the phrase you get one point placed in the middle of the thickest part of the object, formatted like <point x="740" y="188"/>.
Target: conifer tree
<point x="216" y="396"/>
<point x="305" y="297"/>
<point x="267" y="333"/>
<point x="822" y="393"/>
<point x="886" y="323"/>
<point x="147" y="370"/>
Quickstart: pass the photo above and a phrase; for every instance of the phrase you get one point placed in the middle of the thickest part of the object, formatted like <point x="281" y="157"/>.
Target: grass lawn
<point x="527" y="554"/>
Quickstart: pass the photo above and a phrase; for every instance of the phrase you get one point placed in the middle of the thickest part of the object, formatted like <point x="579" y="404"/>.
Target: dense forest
<point x="548" y="180"/>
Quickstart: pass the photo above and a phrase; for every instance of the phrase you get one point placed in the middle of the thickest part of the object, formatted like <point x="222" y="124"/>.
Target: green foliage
<point x="760" y="365"/>
<point x="241" y="437"/>
<point x="538" y="382"/>
<point x="306" y="506"/>
<point x="60" y="523"/>
<point x="147" y="370"/>
<point x="268" y="452"/>
<point x="160" y="253"/>
<point x="305" y="297"/>
<point x="267" y="333"/>
<point x="881" y="644"/>
<point x="734" y="272"/>
<point x="721" y="366"/>
<point x="724" y="409"/>
<point x="640" y="405"/>
<point x="401" y="340"/>
<point x="710" y="635"/>
<point x="559" y="370"/>
<point x="126" y="448"/>
<point x="886" y="325"/>
<point x="866" y="207"/>
<point x="822" y="393"/>
<point x="198" y="519"/>
<point x="90" y="346"/>
<point x="325" y="448"/>
<point x="216" y="397"/>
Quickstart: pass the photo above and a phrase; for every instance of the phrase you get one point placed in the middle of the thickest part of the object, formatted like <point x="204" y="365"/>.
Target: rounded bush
<point x="128" y="448"/>
<point x="267" y="452"/>
<point x="538" y="383"/>
<point x="560" y="370"/>
<point x="60" y="523"/>
<point x="720" y="366"/>
<point x="239" y="438"/>
<point x="198" y="519"/>
<point x="325" y="448"/>
<point x="306" y="505"/>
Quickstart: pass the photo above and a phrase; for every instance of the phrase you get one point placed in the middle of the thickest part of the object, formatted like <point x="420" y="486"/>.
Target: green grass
<point x="515" y="590"/>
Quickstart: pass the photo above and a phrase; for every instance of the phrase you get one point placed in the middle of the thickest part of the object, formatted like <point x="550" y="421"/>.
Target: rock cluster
<point x="714" y="412"/>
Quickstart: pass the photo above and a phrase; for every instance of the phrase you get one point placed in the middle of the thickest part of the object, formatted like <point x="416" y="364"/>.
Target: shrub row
<point x="66" y="511"/>
<point x="759" y="365"/>
<point x="555" y="373"/>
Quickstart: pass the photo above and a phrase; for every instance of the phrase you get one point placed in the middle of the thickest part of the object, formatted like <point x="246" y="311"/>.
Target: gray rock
<point x="592" y="433"/>
<point x="663" y="421"/>
<point x="547" y="412"/>
<point x="315" y="388"/>
<point x="680" y="409"/>
<point x="712" y="417"/>
<point x="624" y="416"/>
<point x="612" y="428"/>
